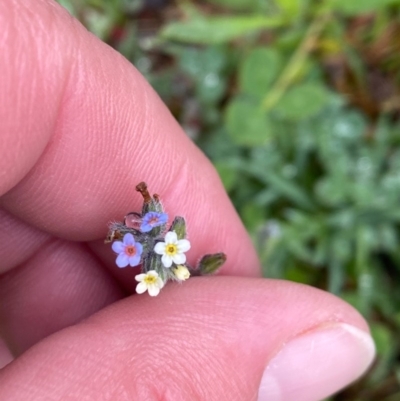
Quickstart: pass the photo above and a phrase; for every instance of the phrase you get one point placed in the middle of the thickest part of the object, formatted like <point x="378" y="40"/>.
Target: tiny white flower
<point x="150" y="282"/>
<point x="181" y="272"/>
<point x="172" y="250"/>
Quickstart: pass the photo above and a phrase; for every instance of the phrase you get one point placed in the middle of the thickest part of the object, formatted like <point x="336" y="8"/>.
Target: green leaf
<point x="227" y="173"/>
<point x="68" y="5"/>
<point x="388" y="236"/>
<point x="383" y="339"/>
<point x="259" y="70"/>
<point x="246" y="123"/>
<point x="289" y="189"/>
<point x="253" y="215"/>
<point x="199" y="62"/>
<point x="211" y="88"/>
<point x="214" y="30"/>
<point x="332" y="190"/>
<point x="296" y="274"/>
<point x="353" y="299"/>
<point x="289" y="7"/>
<point x="336" y="276"/>
<point x="235" y="4"/>
<point x="303" y="101"/>
<point x="219" y="145"/>
<point x="342" y="249"/>
<point x="353" y="7"/>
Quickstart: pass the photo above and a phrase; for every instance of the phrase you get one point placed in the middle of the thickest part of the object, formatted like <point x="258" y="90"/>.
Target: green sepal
<point x="156" y="231"/>
<point x="169" y="274"/>
<point x="152" y="261"/>
<point x="209" y="264"/>
<point x="153" y="206"/>
<point x="179" y="226"/>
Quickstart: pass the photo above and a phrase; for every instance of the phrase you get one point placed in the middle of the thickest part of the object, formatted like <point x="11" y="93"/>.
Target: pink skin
<point x="78" y="127"/>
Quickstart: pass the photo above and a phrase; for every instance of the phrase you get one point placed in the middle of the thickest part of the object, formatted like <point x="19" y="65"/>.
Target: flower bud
<point x="179" y="226"/>
<point x="209" y="264"/>
<point x="181" y="272"/>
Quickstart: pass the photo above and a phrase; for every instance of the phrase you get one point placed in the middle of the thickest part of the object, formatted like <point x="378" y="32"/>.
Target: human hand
<point x="79" y="129"/>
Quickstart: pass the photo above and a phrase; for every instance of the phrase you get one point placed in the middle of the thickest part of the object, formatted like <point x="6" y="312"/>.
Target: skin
<point x="80" y="127"/>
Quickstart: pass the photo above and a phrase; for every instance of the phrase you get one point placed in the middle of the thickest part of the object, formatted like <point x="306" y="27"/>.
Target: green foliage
<point x="214" y="30"/>
<point x="355" y="7"/>
<point x="303" y="101"/>
<point x="259" y="70"/>
<point x="289" y="7"/>
<point x="246" y="123"/>
<point x="236" y="4"/>
<point x="296" y="103"/>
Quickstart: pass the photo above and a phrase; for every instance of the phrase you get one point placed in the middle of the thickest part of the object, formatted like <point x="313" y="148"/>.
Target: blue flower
<point x="129" y="251"/>
<point x="153" y="219"/>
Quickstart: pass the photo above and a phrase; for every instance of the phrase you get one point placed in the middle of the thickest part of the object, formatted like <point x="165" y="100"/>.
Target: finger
<point x="61" y="284"/>
<point x="5" y="354"/>
<point x="212" y="339"/>
<point x="18" y="241"/>
<point x="82" y="128"/>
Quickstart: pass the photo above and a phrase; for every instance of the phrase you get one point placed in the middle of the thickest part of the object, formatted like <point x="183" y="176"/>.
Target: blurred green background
<point x="297" y="103"/>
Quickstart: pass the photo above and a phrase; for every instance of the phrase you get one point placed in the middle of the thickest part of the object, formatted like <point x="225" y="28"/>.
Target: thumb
<point x="218" y="338"/>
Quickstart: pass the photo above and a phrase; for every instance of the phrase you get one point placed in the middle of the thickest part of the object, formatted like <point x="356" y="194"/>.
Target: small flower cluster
<point x="143" y="239"/>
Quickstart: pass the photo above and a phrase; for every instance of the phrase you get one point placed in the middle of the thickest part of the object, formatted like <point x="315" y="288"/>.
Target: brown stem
<point x="142" y="188"/>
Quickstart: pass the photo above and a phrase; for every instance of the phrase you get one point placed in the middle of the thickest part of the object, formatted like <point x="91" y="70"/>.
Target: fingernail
<point x="317" y="364"/>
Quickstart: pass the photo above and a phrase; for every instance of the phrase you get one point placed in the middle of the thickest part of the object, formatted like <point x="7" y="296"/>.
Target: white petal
<point x="153" y="290"/>
<point x="160" y="283"/>
<point x="183" y="245"/>
<point x="152" y="273"/>
<point x="140" y="277"/>
<point x="179" y="258"/>
<point x="141" y="288"/>
<point x="171" y="237"/>
<point x="166" y="261"/>
<point x="160" y="248"/>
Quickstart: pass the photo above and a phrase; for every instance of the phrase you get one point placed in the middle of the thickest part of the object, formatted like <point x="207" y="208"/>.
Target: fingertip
<point x="229" y="329"/>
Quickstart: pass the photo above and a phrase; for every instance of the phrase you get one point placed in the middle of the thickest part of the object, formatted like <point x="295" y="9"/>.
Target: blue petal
<point x="128" y="239"/>
<point x="148" y="216"/>
<point x="118" y="247"/>
<point x="122" y="260"/>
<point x="145" y="227"/>
<point x="134" y="260"/>
<point x="139" y="249"/>
<point x="163" y="218"/>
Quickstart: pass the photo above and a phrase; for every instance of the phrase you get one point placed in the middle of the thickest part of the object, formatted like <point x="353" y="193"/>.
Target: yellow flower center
<point x="130" y="250"/>
<point x="171" y="249"/>
<point x="149" y="280"/>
